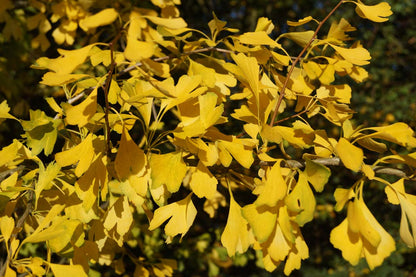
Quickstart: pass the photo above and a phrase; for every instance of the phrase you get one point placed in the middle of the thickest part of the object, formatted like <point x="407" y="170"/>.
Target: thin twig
<point x="292" y="67"/>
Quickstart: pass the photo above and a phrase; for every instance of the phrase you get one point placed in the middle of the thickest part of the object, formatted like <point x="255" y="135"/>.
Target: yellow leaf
<point x="58" y="79"/>
<point x="264" y="24"/>
<point x="104" y="17"/>
<point x="45" y="179"/>
<point x="351" y="156"/>
<point x="83" y="112"/>
<point x="67" y="62"/>
<point x="137" y="50"/>
<point x="181" y="214"/>
<point x="258" y="38"/>
<point x="167" y="169"/>
<point x="301" y="38"/>
<point x="171" y="23"/>
<point x="342" y="196"/>
<point x="376" y="13"/>
<point x="203" y="183"/>
<point x="130" y="159"/>
<point x="317" y="174"/>
<point x="83" y="152"/>
<point x="4" y="111"/>
<point x="249" y="72"/>
<point x="6" y="228"/>
<point x="274" y="188"/>
<point x="236" y="235"/>
<point x="357" y="55"/>
<point x="60" y="270"/>
<point x="301" y="200"/>
<point x="94" y="180"/>
<point x="294" y="259"/>
<point x="399" y="133"/>
<point x="243" y="154"/>
<point x="408" y="213"/>
<point x="72" y="234"/>
<point x="348" y="242"/>
<point x="261" y="219"/>
<point x="300" y="21"/>
<point x="118" y="220"/>
<point x="323" y="72"/>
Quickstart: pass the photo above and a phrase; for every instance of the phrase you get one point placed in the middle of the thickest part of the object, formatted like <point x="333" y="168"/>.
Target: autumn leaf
<point x="60" y="270"/>
<point x="377" y="13"/>
<point x="236" y="235"/>
<point x="104" y="17"/>
<point x="202" y="182"/>
<point x="130" y="159"/>
<point x="360" y="235"/>
<point x="83" y="112"/>
<point x="351" y="156"/>
<point x="118" y="220"/>
<point x="181" y="214"/>
<point x="167" y="169"/>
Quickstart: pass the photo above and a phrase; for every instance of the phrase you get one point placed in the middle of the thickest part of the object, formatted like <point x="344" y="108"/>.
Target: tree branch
<point x="298" y="58"/>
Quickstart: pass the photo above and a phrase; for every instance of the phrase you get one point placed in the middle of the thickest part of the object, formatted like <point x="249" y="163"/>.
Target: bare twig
<point x="298" y="58"/>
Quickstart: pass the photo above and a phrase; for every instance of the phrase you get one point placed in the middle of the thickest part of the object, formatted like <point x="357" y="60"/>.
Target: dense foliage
<point x="162" y="144"/>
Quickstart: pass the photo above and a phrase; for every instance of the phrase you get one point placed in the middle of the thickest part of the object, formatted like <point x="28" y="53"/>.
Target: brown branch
<point x="292" y="67"/>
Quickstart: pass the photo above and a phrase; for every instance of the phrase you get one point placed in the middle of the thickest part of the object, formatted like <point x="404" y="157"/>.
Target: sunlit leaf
<point x="167" y="169"/>
<point x="236" y="236"/>
<point x="181" y="214"/>
<point x="351" y="156"/>
<point x="60" y="270"/>
<point x="203" y="183"/>
<point x="103" y="17"/>
<point x="377" y="13"/>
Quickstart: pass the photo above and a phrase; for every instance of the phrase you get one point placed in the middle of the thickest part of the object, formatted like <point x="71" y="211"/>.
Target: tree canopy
<point x="154" y="138"/>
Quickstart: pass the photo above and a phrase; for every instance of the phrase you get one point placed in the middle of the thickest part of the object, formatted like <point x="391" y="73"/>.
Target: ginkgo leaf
<point x="377" y="13"/>
<point x="300" y="38"/>
<point x="301" y="200"/>
<point x="274" y="188"/>
<point x="171" y="23"/>
<point x="42" y="234"/>
<point x="130" y="159"/>
<point x="243" y="154"/>
<point x="6" y="227"/>
<point x="83" y="152"/>
<point x="118" y="220"/>
<point x="41" y="132"/>
<point x="202" y="182"/>
<point x="300" y="21"/>
<point x="357" y="55"/>
<point x="249" y="70"/>
<point x="4" y="111"/>
<point x="167" y="169"/>
<point x="258" y="38"/>
<point x="407" y="234"/>
<point x="181" y="214"/>
<point x="46" y="176"/>
<point x="60" y="270"/>
<point x="137" y="50"/>
<point x="67" y="62"/>
<point x="399" y="133"/>
<point x="317" y="174"/>
<point x="351" y="156"/>
<point x="236" y="235"/>
<point x="95" y="179"/>
<point x="72" y="235"/>
<point x="264" y="24"/>
<point x="57" y="79"/>
<point x="103" y="17"/>
<point x="83" y="112"/>
<point x="261" y="219"/>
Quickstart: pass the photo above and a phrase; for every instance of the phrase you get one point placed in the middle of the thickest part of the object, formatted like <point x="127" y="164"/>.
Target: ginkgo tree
<point x="158" y="117"/>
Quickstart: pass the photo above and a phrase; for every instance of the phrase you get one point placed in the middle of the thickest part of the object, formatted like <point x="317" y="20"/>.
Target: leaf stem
<point x="298" y="58"/>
